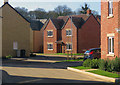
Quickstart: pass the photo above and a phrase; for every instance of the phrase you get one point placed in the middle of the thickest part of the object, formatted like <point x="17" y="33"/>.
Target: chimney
<point x="5" y="1"/>
<point x="88" y="11"/>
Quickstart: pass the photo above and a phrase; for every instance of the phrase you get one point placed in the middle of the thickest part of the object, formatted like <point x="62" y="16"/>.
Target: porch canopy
<point x="59" y="42"/>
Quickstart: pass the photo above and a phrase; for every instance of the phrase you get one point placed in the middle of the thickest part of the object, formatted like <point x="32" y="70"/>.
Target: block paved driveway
<point x="43" y="70"/>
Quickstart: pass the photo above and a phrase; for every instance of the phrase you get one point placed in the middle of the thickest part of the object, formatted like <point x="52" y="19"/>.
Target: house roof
<point x="43" y="20"/>
<point x="15" y="11"/>
<point x="77" y="20"/>
<point x="36" y="25"/>
<point x="58" y="23"/>
<point x="84" y="16"/>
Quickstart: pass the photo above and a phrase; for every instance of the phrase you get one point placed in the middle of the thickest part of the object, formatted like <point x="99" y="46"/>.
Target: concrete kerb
<point x="114" y="80"/>
<point x="56" y="55"/>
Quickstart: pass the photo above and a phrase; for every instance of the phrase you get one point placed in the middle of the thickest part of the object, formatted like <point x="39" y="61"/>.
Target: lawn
<point x="62" y="54"/>
<point x="105" y="73"/>
<point x="81" y="67"/>
<point x="72" y="60"/>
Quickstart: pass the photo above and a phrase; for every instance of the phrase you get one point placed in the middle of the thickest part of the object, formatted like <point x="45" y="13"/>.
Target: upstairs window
<point x="68" y="33"/>
<point x="69" y="46"/>
<point x="111" y="45"/>
<point x="110" y="3"/>
<point x="50" y="33"/>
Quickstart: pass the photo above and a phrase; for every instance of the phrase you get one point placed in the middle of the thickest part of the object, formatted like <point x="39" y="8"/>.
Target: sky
<point x="51" y="4"/>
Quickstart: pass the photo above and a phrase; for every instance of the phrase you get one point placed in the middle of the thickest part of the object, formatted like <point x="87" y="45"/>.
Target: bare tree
<point x="63" y="10"/>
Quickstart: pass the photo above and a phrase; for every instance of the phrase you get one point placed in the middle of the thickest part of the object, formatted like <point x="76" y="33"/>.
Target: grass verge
<point x="81" y="67"/>
<point x="79" y="54"/>
<point x="72" y="60"/>
<point x="105" y="73"/>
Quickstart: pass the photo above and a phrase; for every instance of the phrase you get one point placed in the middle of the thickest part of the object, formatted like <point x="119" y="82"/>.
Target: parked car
<point x="92" y="54"/>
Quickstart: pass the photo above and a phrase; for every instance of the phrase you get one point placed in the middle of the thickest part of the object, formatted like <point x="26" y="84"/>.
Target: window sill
<point x="49" y="36"/>
<point x="110" y="17"/>
<point x="112" y="55"/>
<point x="68" y="50"/>
<point x="50" y="49"/>
<point x="69" y="35"/>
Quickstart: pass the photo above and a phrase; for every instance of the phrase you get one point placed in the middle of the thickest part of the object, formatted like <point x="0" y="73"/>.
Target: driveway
<point x="43" y="69"/>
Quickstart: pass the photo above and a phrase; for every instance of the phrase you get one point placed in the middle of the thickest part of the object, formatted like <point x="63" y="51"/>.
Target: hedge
<point x="107" y="65"/>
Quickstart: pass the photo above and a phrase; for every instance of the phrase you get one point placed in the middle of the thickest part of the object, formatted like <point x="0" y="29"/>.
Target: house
<point x="110" y="29"/>
<point x="52" y="33"/>
<point x="75" y="33"/>
<point x="37" y="27"/>
<point x="16" y="32"/>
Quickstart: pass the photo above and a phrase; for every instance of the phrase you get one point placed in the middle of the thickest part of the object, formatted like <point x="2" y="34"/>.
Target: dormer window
<point x="110" y="3"/>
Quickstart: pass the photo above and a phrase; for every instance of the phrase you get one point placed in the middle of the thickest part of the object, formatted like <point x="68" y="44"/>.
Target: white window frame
<point x="110" y="7"/>
<point x="69" y="46"/>
<point x="110" y="45"/>
<point x="50" y="31"/>
<point x="51" y="48"/>
<point x="69" y="32"/>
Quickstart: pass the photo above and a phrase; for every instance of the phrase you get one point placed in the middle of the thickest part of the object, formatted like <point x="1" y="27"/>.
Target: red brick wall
<point x="53" y="39"/>
<point x="68" y="38"/>
<point x="59" y="35"/>
<point x="108" y="26"/>
<point x="119" y="27"/>
<point x="89" y="35"/>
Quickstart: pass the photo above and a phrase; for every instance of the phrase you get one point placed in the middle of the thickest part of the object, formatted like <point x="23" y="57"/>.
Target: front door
<point x="59" y="48"/>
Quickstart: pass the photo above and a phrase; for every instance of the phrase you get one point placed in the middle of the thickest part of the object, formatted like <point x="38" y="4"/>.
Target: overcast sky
<point x="51" y="4"/>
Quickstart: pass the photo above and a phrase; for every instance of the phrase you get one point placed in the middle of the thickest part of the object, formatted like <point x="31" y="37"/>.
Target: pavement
<point x="43" y="69"/>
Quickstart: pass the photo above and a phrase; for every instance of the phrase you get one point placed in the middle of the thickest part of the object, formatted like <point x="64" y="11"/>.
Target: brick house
<point x="110" y="29"/>
<point x="76" y="33"/>
<point x="15" y="31"/>
<point x="52" y="33"/>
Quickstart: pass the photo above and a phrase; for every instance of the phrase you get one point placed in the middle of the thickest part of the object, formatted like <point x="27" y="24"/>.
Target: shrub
<point x="94" y="63"/>
<point x="102" y="64"/>
<point x="110" y="65"/>
<point x="86" y="63"/>
<point x="117" y="64"/>
<point x="9" y="56"/>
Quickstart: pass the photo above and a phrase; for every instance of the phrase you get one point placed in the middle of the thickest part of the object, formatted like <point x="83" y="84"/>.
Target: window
<point x="110" y="7"/>
<point x="68" y="33"/>
<point x="111" y="45"/>
<point x="15" y="45"/>
<point x="49" y="33"/>
<point x="50" y="46"/>
<point x="69" y="46"/>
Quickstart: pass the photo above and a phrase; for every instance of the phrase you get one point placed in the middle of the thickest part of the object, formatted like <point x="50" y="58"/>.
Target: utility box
<point x="18" y="53"/>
